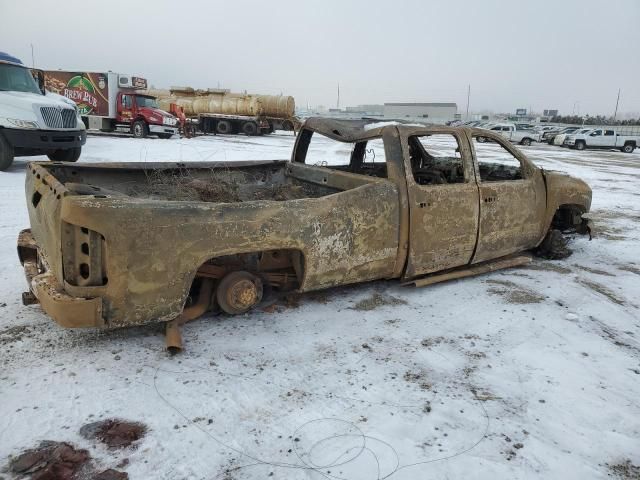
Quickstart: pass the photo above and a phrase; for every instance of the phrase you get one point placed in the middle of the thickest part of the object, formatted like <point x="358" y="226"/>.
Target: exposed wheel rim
<point x="242" y="295"/>
<point x="137" y="130"/>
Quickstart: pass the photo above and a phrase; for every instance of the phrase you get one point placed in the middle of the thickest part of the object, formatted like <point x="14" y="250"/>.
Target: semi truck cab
<point x="144" y="115"/>
<point x="34" y="121"/>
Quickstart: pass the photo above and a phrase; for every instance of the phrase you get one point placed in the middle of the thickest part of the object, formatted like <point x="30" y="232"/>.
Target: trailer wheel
<point x="238" y="292"/>
<point x="140" y="129"/>
<point x="628" y="148"/>
<point x="69" y="155"/>
<point x="525" y="141"/>
<point x="249" y="128"/>
<point x="481" y="139"/>
<point x="6" y="154"/>
<point x="224" y="127"/>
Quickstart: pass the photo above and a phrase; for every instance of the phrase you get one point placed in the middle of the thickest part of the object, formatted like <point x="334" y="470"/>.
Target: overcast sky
<point x="570" y="55"/>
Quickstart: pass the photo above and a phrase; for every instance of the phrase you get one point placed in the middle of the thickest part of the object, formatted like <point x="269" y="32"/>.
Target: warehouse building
<point x="435" y="112"/>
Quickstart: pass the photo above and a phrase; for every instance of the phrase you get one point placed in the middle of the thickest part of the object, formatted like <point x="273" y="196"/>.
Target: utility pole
<point x="617" y="102"/>
<point x="338" y="102"/>
<point x="468" y="95"/>
<point x="33" y="62"/>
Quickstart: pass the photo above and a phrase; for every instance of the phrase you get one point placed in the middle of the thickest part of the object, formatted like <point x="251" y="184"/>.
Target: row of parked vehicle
<point x="577" y="137"/>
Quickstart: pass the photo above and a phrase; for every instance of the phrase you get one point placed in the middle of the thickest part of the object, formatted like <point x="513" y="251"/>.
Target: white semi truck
<point x="34" y="121"/>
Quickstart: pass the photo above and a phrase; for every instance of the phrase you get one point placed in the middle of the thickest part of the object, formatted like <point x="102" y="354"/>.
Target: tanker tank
<point x="223" y="102"/>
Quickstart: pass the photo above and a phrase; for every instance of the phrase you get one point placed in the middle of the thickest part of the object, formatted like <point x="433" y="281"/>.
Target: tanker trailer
<point x="221" y="111"/>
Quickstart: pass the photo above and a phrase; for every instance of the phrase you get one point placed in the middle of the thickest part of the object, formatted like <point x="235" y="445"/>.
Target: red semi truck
<point x="109" y="102"/>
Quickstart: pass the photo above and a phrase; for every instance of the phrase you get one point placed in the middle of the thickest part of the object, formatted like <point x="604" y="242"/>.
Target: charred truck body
<point x="409" y="202"/>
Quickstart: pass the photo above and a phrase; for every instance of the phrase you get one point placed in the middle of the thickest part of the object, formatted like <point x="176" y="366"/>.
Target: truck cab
<point x="34" y="121"/>
<point x="143" y="115"/>
<point x="513" y="133"/>
<point x="603" y="138"/>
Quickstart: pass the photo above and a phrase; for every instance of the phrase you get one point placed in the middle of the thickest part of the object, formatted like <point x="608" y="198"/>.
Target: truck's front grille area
<point x="58" y="118"/>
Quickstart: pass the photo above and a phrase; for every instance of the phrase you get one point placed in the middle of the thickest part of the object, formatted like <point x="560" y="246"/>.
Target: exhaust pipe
<point x="173" y="334"/>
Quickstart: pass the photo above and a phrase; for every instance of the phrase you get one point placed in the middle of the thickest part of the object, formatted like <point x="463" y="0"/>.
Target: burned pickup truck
<point x="118" y="244"/>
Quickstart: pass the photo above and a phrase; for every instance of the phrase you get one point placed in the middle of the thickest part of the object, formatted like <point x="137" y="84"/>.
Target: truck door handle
<point x="490" y="199"/>
<point x="424" y="204"/>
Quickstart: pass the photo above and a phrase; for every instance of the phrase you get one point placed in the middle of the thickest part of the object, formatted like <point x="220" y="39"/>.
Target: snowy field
<point x="529" y="373"/>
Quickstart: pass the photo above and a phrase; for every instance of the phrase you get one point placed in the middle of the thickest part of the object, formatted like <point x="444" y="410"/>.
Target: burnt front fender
<point x="564" y="191"/>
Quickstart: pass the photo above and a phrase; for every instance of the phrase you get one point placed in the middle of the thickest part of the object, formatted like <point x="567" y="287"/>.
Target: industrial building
<point x="369" y="109"/>
<point x="435" y="112"/>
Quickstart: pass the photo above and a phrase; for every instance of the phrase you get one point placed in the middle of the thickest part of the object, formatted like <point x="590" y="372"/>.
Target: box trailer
<point x="109" y="102"/>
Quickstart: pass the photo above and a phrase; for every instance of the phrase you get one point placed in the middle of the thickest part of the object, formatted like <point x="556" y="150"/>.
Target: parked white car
<point x="561" y="138"/>
<point x="514" y="134"/>
<point x="604" y="138"/>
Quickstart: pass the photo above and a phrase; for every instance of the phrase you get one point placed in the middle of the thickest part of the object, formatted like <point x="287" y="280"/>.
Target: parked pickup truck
<point x="117" y="244"/>
<point x="513" y="133"/>
<point x="603" y="138"/>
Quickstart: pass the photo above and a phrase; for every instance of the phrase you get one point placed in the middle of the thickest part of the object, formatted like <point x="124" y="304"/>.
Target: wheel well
<point x="630" y="142"/>
<point x="281" y="269"/>
<point x="567" y="216"/>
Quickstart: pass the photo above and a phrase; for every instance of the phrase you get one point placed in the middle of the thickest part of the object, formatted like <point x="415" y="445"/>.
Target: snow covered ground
<point x="526" y="373"/>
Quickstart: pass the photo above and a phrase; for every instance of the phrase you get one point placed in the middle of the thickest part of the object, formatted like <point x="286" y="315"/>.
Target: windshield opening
<point x="150" y="102"/>
<point x="14" y="78"/>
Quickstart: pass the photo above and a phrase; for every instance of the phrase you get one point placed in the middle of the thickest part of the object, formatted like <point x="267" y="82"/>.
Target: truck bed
<point x="207" y="182"/>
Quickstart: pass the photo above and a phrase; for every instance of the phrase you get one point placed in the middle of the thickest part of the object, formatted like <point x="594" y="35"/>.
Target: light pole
<point x="468" y="95"/>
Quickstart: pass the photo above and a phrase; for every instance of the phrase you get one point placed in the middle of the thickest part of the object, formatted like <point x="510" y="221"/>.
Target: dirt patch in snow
<point x="615" y="215"/>
<point x="609" y="232"/>
<point x="14" y="334"/>
<point x="433" y="341"/>
<point x="59" y="461"/>
<point x="419" y="378"/>
<point x="113" y="432"/>
<point x="594" y="270"/>
<point x="513" y="293"/>
<point x="547" y="266"/>
<point x="602" y="290"/>
<point x="377" y="300"/>
<point x="625" y="470"/>
<point x="629" y="268"/>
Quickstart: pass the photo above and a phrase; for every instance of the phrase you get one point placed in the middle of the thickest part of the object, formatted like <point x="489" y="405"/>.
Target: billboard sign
<point x="521" y="111"/>
<point x="550" y="113"/>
